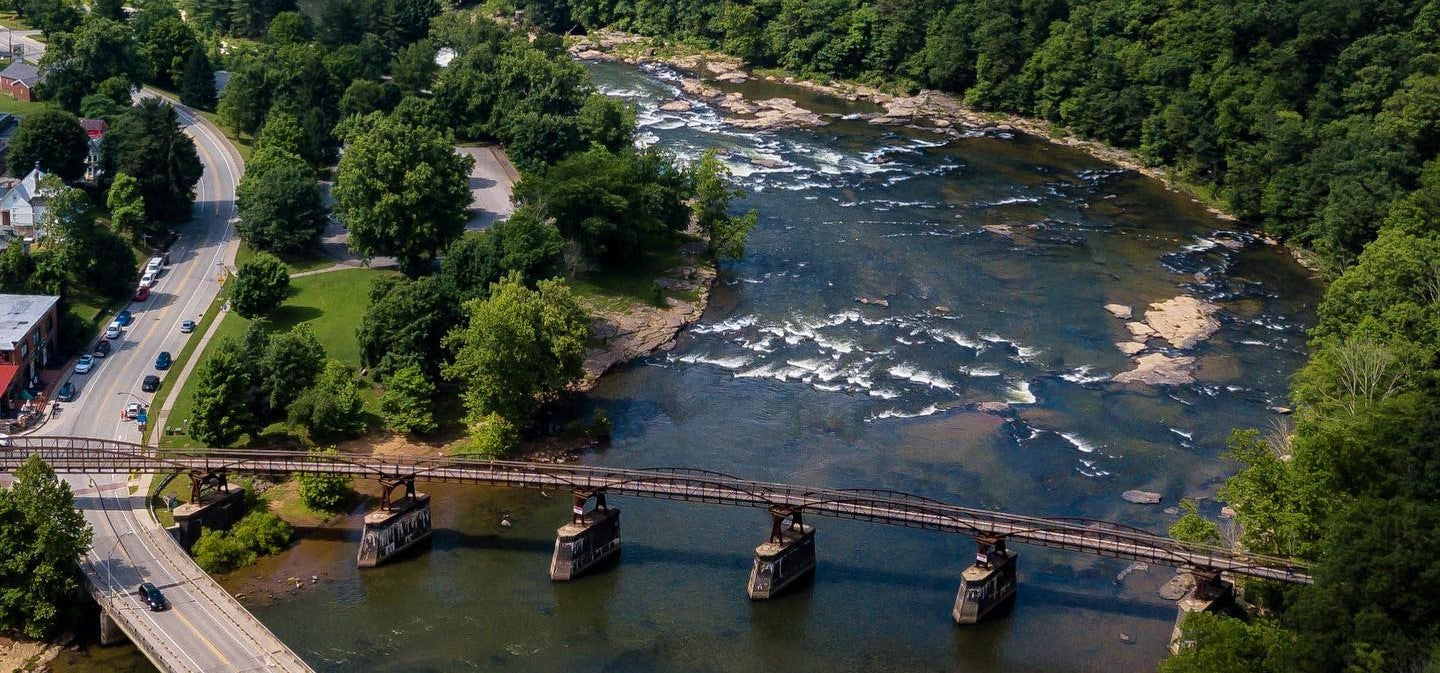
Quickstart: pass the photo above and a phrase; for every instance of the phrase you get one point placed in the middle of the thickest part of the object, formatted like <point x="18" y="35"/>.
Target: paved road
<point x="206" y="629"/>
<point x="24" y="42"/>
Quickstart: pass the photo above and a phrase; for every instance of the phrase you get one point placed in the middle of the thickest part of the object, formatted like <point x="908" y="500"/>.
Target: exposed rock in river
<point x="1130" y="347"/>
<point x="1120" y="311"/>
<point x="1159" y="369"/>
<point x="676" y="106"/>
<point x="1141" y="497"/>
<point x="1183" y="321"/>
<point x="1140" y="330"/>
<point x="876" y="302"/>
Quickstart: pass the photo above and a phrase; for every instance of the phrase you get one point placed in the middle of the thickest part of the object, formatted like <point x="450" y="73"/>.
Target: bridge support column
<point x="1211" y="593"/>
<point x="398" y="524"/>
<point x="589" y="538"/>
<point x="787" y="556"/>
<point x="213" y="504"/>
<point x="988" y="584"/>
<point x="110" y="632"/>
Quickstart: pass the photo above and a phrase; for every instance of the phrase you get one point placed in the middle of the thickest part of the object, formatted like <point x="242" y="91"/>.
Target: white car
<point x="113" y="331"/>
<point x="83" y="365"/>
<point x="148" y="280"/>
<point x="155" y="266"/>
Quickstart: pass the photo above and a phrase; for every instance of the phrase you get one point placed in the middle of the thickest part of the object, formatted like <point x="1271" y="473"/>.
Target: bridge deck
<point x="1099" y="538"/>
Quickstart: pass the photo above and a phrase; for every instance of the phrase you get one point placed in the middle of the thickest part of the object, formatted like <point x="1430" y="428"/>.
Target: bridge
<point x="592" y="535"/>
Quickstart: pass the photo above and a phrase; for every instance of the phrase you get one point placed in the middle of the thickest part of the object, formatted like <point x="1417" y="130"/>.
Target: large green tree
<point x="76" y="62"/>
<point x="260" y="285"/>
<point x="41" y="535"/>
<point x="332" y="408"/>
<point x="710" y="209"/>
<point x="147" y="143"/>
<point x="197" y="80"/>
<point x="292" y="361"/>
<point x="224" y="408"/>
<point x="279" y="203"/>
<point x="406" y="323"/>
<point x="408" y="403"/>
<point x="525" y="243"/>
<point x="402" y="191"/>
<point x="519" y="348"/>
<point x="52" y="140"/>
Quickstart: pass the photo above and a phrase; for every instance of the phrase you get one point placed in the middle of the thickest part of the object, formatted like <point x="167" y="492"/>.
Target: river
<point x="789" y="378"/>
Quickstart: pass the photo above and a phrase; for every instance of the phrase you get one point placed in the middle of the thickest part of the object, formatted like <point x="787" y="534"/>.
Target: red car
<point x="142" y="293"/>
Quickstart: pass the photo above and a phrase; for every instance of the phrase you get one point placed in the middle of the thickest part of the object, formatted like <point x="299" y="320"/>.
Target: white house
<point x="22" y="207"/>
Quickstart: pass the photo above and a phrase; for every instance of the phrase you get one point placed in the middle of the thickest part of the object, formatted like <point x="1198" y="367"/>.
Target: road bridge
<point x="593" y="534"/>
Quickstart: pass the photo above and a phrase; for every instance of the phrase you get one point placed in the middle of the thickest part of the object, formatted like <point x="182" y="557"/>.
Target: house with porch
<point x="28" y="330"/>
<point x="22" y="208"/>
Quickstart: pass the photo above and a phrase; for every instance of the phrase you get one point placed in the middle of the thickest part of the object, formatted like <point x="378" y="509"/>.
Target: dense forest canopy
<point x="1318" y="119"/>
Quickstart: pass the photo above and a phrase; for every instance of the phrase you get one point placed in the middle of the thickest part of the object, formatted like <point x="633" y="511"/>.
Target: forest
<point x="1317" y="120"/>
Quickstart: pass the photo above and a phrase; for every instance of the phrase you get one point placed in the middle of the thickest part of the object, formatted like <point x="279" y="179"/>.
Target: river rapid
<point x="789" y="378"/>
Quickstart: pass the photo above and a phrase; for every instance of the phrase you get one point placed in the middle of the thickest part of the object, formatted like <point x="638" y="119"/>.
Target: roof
<point x="19" y="313"/>
<point x="28" y="186"/>
<point x="7" y="376"/>
<point x="94" y="126"/>
<point x="22" y="72"/>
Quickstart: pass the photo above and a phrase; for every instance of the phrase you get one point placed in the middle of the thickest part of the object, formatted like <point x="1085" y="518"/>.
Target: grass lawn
<point x="618" y="290"/>
<point x="293" y="263"/>
<point x="11" y="20"/>
<point x="331" y="303"/>
<point x="19" y="108"/>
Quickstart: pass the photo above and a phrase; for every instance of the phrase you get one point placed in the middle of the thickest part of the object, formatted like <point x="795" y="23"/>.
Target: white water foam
<point x="896" y="413"/>
<point x="1019" y="393"/>
<point x="1078" y="442"/>
<point x="732" y="362"/>
<point x="914" y="375"/>
<point x="1082" y="375"/>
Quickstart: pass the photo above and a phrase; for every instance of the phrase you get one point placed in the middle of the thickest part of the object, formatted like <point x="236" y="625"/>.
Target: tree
<point x="100" y="106"/>
<point x="224" y="404"/>
<point x="111" y="270"/>
<point x="608" y="122"/>
<point x="325" y="492"/>
<point x="69" y="225"/>
<point x="519" y="348"/>
<point x="217" y="552"/>
<point x="402" y="191"/>
<point x="260" y="285"/>
<point x="279" y="204"/>
<point x="1218" y="644"/>
<point x="491" y="436"/>
<point x="246" y="98"/>
<point x="710" y="208"/>
<point x="406" y="323"/>
<point x="365" y="96"/>
<point x="525" y="243"/>
<point x="75" y="62"/>
<point x="408" y="402"/>
<point x="168" y="42"/>
<point x="197" y="81"/>
<point x="41" y="535"/>
<point x="1192" y="527"/>
<point x="109" y="9"/>
<point x="282" y="134"/>
<point x="127" y="207"/>
<point x="332" y="408"/>
<point x="289" y="28"/>
<point x="292" y="362"/>
<point x="147" y="143"/>
<point x="52" y="140"/>
<point x="414" y="67"/>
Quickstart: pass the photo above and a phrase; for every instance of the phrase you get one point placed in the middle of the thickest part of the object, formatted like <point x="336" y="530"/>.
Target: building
<point x="28" y="326"/>
<point x="22" y="208"/>
<point x="19" y="79"/>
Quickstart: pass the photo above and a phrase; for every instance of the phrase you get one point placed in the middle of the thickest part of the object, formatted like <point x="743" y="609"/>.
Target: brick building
<point x="28" y="326"/>
<point x="19" y="79"/>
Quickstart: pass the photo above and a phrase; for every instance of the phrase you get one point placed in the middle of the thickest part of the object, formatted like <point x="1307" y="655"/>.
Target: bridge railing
<point x="82" y="454"/>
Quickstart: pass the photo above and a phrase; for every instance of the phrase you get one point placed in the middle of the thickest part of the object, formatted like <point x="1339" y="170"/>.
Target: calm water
<point x="789" y="378"/>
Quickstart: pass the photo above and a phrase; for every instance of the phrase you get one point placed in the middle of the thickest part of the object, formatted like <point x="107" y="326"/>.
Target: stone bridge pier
<point x="590" y="538"/>
<point x="787" y="556"/>
<point x="1211" y="593"/>
<point x="987" y="585"/>
<point x="213" y="504"/>
<point x="396" y="526"/>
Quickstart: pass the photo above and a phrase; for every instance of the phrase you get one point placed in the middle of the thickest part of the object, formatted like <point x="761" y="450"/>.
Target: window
<point x="24" y="349"/>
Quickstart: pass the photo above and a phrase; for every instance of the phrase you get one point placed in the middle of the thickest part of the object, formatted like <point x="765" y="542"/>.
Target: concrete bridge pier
<point x="213" y="504"/>
<point x="110" y="632"/>
<point x="987" y="585"/>
<point x="1211" y="593"/>
<point x="398" y="524"/>
<point x="590" y="537"/>
<point x="787" y="556"/>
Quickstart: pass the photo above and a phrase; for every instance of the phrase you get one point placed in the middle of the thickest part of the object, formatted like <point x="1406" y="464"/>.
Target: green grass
<point x="293" y="263"/>
<point x="331" y="303"/>
<point x="620" y="289"/>
<point x="19" y="108"/>
<point x="178" y="487"/>
<point x="167" y="393"/>
<point x="10" y="19"/>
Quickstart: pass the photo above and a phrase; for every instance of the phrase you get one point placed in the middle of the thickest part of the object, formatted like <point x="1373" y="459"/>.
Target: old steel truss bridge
<point x="1099" y="538"/>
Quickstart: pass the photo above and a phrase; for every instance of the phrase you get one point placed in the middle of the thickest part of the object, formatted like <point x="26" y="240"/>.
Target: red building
<point x="28" y="326"/>
<point x="19" y="79"/>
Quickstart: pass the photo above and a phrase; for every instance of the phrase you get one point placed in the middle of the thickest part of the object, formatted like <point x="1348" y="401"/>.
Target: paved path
<point x="206" y="629"/>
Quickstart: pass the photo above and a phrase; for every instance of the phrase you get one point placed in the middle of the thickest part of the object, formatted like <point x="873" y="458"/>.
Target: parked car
<point x="83" y="365"/>
<point x="150" y="384"/>
<point x="155" y="265"/>
<point x="133" y="409"/>
<point x="153" y="598"/>
<point x="67" y="392"/>
<point x="102" y="348"/>
<point x="148" y="280"/>
<point x="162" y="361"/>
<point x="113" y="331"/>
<point x="142" y="293"/>
<point x="187" y="326"/>
<point x="124" y="318"/>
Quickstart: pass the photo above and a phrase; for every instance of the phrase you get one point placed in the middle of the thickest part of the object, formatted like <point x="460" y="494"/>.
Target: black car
<point x="102" y="349"/>
<point x="152" y="597"/>
<point x="67" y="392"/>
<point x="163" y="360"/>
<point x="150" y="384"/>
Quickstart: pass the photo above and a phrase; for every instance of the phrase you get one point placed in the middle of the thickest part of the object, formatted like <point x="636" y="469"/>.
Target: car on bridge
<point x="150" y="384"/>
<point x="67" y="392"/>
<point x="162" y="361"/>
<point x="102" y="348"/>
<point x="154" y="600"/>
<point x="84" y="364"/>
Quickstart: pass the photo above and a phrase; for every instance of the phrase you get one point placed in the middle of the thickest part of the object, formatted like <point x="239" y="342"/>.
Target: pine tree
<point x="197" y="84"/>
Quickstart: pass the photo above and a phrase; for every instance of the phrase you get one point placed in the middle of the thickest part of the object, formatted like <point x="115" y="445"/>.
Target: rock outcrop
<point x="1159" y="369"/>
<point x="1183" y="321"/>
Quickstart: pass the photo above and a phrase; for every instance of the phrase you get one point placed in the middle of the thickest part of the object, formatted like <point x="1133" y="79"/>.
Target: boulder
<point x="1158" y="369"/>
<point x="1120" y="311"/>
<point x="1130" y="347"/>
<point x="1177" y="587"/>
<point x="1140" y="330"/>
<point x="676" y="106"/>
<point x="1183" y="321"/>
<point x="1141" y="497"/>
